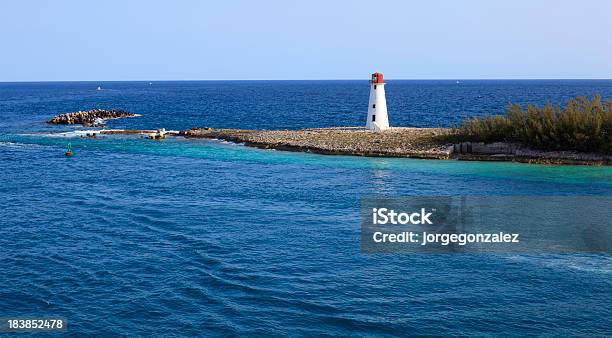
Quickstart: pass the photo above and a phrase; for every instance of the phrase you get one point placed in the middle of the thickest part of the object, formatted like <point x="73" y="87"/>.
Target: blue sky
<point x="313" y="39"/>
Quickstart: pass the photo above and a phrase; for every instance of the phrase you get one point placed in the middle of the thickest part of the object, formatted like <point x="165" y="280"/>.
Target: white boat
<point x="99" y="88"/>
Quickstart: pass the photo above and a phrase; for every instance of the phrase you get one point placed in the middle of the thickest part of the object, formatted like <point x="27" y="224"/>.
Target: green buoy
<point x="69" y="153"/>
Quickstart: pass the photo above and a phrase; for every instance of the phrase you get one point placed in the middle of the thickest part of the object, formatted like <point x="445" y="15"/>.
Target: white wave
<point x="8" y="144"/>
<point x="74" y="133"/>
<point x="21" y="145"/>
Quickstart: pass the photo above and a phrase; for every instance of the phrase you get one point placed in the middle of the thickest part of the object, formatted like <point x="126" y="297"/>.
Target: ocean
<point x="192" y="237"/>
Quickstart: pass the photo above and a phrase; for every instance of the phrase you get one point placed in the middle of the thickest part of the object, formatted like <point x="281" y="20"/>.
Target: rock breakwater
<point x="396" y="142"/>
<point x="425" y="143"/>
<point x="90" y="118"/>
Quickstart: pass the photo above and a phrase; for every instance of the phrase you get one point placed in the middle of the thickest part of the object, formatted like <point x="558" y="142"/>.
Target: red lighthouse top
<point x="377" y="78"/>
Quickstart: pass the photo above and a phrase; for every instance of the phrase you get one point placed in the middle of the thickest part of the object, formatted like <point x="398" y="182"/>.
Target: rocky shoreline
<point x="90" y="118"/>
<point x="400" y="142"/>
<point x="423" y="143"/>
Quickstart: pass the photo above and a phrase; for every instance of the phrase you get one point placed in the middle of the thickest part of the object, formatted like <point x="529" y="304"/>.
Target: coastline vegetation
<point x="583" y="125"/>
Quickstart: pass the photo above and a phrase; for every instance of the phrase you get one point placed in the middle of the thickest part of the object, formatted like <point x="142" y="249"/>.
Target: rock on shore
<point x="502" y="151"/>
<point x="396" y="142"/>
<point x="426" y="143"/>
<point x="89" y="118"/>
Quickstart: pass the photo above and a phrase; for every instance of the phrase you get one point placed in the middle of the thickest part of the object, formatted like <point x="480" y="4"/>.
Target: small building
<point x="378" y="120"/>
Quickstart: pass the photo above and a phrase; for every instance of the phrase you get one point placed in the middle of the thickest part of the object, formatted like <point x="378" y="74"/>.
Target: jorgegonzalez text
<point x="384" y="216"/>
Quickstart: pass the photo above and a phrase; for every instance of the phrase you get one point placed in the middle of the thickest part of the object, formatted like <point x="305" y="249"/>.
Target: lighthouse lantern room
<point x="378" y="120"/>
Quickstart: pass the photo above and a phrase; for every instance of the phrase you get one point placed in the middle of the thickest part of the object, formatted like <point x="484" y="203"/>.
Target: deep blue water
<point x="196" y="237"/>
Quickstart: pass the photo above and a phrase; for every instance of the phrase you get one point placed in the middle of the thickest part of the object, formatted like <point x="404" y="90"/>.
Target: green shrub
<point x="583" y="125"/>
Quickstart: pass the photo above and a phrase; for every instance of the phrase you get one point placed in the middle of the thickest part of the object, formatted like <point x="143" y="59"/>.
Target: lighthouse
<point x="378" y="120"/>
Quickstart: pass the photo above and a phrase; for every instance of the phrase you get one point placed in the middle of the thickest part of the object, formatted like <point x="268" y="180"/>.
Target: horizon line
<point x="345" y="79"/>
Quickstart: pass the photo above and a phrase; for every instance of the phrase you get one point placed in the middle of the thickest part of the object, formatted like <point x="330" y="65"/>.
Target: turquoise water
<point x="202" y="237"/>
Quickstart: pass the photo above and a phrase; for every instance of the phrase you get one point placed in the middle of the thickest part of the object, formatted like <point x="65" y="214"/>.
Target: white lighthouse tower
<point x="378" y="120"/>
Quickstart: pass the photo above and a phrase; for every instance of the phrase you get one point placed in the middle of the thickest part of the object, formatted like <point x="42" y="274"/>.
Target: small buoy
<point x="69" y="152"/>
